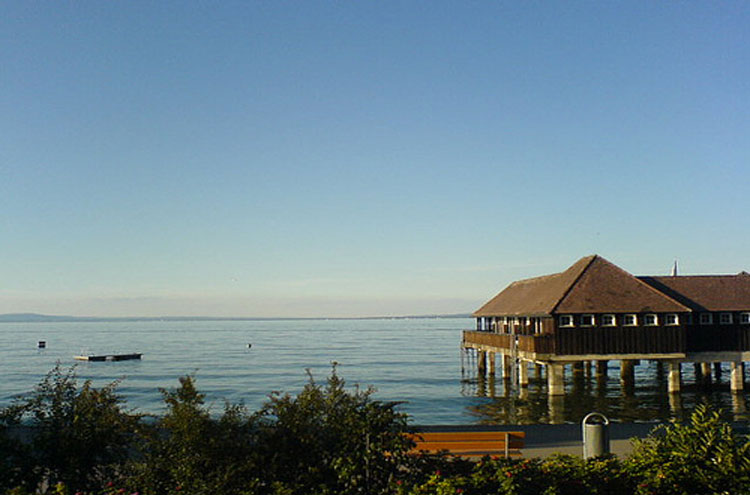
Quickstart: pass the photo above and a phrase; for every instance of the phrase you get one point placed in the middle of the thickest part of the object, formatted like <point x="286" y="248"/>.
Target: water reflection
<point x="645" y="398"/>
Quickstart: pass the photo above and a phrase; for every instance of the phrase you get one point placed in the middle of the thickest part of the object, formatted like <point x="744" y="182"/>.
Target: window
<point x="587" y="320"/>
<point x="745" y="318"/>
<point x="689" y="319"/>
<point x="706" y="319"/>
<point x="629" y="320"/>
<point x="566" y="321"/>
<point x="671" y="319"/>
<point x="725" y="318"/>
<point x="650" y="320"/>
<point x="608" y="320"/>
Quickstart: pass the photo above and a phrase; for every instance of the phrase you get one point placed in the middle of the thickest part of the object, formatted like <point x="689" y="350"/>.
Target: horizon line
<point x="38" y="317"/>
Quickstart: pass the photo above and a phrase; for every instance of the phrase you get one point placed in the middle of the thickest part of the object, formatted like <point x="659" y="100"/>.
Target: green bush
<point x="558" y="475"/>
<point x="325" y="440"/>
<point x="330" y="440"/>
<point x="80" y="436"/>
<point x="188" y="452"/>
<point x="701" y="456"/>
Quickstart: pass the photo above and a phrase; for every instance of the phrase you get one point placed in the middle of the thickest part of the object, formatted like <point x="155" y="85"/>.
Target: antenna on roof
<point x="674" y="269"/>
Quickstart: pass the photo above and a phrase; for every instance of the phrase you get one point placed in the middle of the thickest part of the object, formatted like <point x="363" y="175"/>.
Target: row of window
<point x="650" y="320"/>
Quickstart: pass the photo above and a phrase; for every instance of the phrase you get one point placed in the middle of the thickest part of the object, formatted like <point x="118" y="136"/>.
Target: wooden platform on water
<point x="110" y="357"/>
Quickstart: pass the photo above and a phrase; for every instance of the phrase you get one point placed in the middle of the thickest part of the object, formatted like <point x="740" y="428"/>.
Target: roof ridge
<point x="705" y="275"/>
<point x="534" y="279"/>
<point x="574" y="282"/>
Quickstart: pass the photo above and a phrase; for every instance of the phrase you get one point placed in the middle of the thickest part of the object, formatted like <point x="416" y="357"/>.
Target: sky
<point x="308" y="158"/>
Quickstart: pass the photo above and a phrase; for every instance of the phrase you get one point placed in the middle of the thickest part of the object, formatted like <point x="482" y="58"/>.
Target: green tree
<point x="188" y="452"/>
<point x="80" y="436"/>
<point x="329" y="440"/>
<point x="702" y="456"/>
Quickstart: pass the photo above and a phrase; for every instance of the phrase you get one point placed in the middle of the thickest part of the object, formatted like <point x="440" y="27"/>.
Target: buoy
<point x="41" y="344"/>
<point x="249" y="346"/>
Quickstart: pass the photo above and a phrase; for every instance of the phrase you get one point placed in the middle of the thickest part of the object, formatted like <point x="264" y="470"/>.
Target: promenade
<point x="546" y="440"/>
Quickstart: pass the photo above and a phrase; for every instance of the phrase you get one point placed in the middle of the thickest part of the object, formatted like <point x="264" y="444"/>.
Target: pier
<point x="595" y="313"/>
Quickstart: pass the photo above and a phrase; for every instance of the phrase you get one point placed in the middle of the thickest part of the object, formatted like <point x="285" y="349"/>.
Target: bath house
<point x="595" y="311"/>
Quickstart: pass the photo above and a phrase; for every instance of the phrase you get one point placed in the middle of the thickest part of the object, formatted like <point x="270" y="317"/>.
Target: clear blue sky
<point x="362" y="158"/>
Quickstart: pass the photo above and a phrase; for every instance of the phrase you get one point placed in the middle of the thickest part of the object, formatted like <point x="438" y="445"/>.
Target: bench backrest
<point x="470" y="443"/>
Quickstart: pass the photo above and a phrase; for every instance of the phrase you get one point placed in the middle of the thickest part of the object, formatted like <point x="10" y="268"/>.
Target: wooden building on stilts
<point x="595" y="312"/>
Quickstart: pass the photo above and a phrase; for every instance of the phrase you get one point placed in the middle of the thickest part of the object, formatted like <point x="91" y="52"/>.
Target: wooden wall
<point x="620" y="340"/>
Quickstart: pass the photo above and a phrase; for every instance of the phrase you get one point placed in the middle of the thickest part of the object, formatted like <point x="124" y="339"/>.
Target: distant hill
<point x="34" y="317"/>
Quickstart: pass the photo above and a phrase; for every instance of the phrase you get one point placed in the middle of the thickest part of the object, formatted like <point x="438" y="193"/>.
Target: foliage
<point x="558" y="475"/>
<point x="187" y="451"/>
<point x="330" y="440"/>
<point x="79" y="435"/>
<point x="15" y="457"/>
<point x="325" y="440"/>
<point x="702" y="456"/>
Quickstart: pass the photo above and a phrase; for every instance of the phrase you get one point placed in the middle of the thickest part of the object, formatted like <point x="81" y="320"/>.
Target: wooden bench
<point x="469" y="443"/>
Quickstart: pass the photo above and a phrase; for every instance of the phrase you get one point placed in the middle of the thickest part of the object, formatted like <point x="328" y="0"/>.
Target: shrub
<point x="559" y="475"/>
<point x="701" y="456"/>
<point x="188" y="452"/>
<point x="330" y="440"/>
<point x="79" y="436"/>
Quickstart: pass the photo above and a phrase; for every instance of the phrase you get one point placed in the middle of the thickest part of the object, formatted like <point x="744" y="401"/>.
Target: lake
<point x="415" y="361"/>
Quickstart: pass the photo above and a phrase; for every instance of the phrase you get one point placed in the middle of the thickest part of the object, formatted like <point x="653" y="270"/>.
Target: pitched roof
<point x="607" y="288"/>
<point x="534" y="296"/>
<point x="707" y="292"/>
<point x="592" y="284"/>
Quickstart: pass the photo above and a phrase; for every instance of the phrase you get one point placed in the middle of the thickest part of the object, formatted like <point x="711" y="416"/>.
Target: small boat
<point x="109" y="357"/>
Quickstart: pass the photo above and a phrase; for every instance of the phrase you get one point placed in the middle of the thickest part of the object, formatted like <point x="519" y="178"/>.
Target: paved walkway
<point x="546" y="440"/>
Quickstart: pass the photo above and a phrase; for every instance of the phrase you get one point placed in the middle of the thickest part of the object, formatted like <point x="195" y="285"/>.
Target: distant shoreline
<point x="39" y="318"/>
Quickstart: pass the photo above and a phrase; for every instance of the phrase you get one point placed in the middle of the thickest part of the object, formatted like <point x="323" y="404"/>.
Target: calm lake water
<point x="415" y="361"/>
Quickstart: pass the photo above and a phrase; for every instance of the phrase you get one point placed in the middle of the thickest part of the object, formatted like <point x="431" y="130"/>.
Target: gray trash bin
<point x="595" y="435"/>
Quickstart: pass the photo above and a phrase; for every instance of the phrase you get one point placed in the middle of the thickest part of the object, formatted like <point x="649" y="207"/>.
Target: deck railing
<point x="499" y="340"/>
<point x="622" y="340"/>
<point x="592" y="340"/>
<point x="540" y="344"/>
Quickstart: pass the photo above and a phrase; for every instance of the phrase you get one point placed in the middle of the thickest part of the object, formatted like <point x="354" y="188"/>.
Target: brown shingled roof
<point x="707" y="292"/>
<point x="534" y="296"/>
<point x="606" y="288"/>
<point x="592" y="284"/>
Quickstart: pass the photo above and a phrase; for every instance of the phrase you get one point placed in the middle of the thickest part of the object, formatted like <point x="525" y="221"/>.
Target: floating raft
<point x="110" y="357"/>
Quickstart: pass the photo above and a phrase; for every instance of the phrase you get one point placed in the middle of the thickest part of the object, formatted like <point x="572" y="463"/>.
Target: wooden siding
<point x="592" y="340"/>
<point x="620" y="340"/>
<point x="711" y="338"/>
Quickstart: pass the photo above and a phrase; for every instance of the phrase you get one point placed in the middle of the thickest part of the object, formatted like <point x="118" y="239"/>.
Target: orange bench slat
<point x="469" y="443"/>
